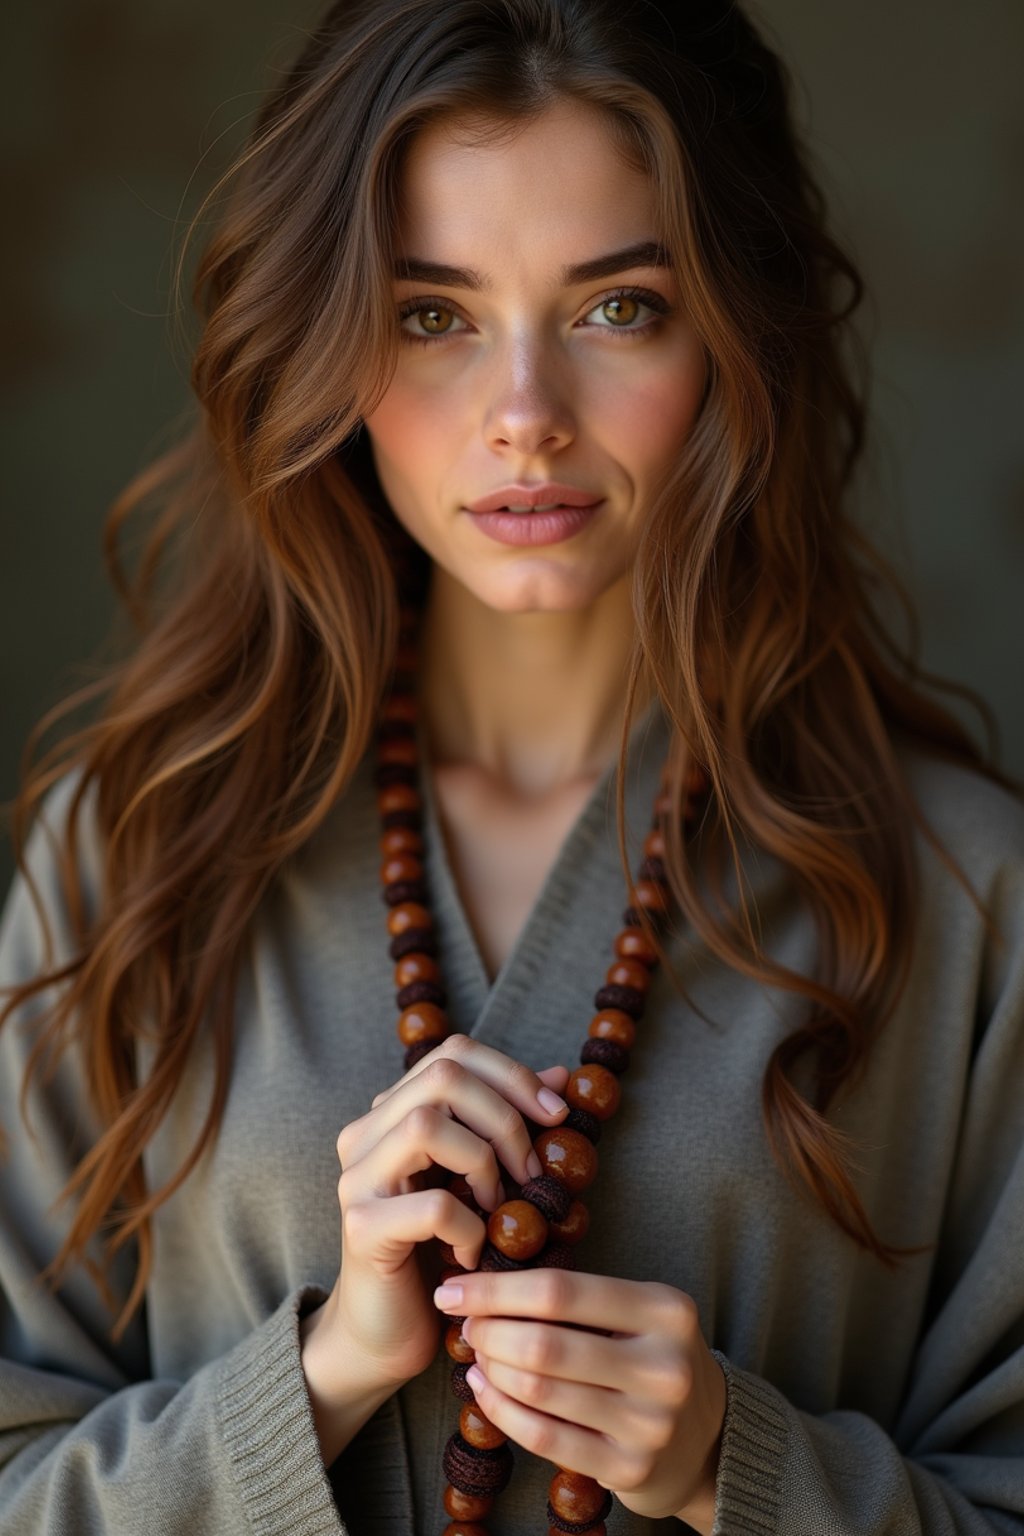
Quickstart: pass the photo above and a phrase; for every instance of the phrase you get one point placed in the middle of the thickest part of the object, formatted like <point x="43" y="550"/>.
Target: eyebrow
<point x="646" y="253"/>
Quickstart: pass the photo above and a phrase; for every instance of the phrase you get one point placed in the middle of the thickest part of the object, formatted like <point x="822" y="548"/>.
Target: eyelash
<point x="653" y="301"/>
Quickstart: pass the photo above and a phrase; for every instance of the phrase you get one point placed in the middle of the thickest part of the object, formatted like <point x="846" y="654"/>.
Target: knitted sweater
<point x="861" y="1400"/>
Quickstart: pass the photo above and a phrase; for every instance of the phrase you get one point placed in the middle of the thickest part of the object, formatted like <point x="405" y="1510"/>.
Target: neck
<point x="534" y="700"/>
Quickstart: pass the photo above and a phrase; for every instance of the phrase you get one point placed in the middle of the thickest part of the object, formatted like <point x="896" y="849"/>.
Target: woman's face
<point x="518" y="372"/>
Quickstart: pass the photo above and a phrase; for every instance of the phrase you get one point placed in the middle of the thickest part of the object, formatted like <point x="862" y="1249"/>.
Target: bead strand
<point x="540" y="1223"/>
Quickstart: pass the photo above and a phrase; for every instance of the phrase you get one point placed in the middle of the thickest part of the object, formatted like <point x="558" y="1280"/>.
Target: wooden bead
<point x="398" y="797"/>
<point x="628" y="973"/>
<point x="399" y="706"/>
<point x="599" y="1529"/>
<point x="664" y="805"/>
<point x="467" y="1528"/>
<point x="402" y="867"/>
<point x="424" y="1021"/>
<point x="577" y="1498"/>
<point x="407" y="656"/>
<point x="459" y="1349"/>
<point x="411" y="914"/>
<point x="698" y="780"/>
<point x="612" y="1024"/>
<point x="654" y="844"/>
<point x="568" y="1156"/>
<point x="574" y="1228"/>
<point x="398" y="749"/>
<point x="594" y="1089"/>
<point x="633" y="944"/>
<point x="476" y="1427"/>
<point x="397" y="840"/>
<point x="652" y="896"/>
<point x="467" y="1506"/>
<point x="416" y="967"/>
<point x="517" y="1229"/>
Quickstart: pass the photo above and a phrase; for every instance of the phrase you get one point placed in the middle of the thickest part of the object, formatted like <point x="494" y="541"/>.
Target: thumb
<point x="554" y="1077"/>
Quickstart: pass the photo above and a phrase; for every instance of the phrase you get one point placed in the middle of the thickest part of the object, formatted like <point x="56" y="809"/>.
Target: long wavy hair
<point x="267" y="596"/>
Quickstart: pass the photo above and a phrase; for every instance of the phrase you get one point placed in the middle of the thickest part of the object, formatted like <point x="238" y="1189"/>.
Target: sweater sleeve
<point x="953" y="1463"/>
<point x="90" y="1441"/>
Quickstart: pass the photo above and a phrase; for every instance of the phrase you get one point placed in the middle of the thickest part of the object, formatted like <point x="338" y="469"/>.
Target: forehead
<point x="561" y="177"/>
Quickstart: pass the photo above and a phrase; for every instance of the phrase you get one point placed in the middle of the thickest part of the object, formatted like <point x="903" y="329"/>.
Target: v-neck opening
<point x="473" y="995"/>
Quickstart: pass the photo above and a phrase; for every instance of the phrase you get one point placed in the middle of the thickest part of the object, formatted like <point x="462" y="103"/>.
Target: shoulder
<point x="978" y="822"/>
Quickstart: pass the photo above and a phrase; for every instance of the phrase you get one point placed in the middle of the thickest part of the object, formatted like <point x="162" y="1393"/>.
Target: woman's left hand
<point x="638" y="1403"/>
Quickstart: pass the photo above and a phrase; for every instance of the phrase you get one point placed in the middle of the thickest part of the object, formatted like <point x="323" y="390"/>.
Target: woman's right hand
<point x="461" y="1108"/>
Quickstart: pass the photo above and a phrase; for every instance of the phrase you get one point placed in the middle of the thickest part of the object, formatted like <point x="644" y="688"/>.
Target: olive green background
<point x="120" y="115"/>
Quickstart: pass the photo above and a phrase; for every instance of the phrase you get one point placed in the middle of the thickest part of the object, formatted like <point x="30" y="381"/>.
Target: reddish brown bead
<point x="599" y="1529"/>
<point x="698" y="780"/>
<point x="654" y="844"/>
<point x="574" y="1228"/>
<point x="398" y="840"/>
<point x="663" y="804"/>
<point x="398" y="797"/>
<point x="459" y="1349"/>
<point x="628" y="973"/>
<point x="594" y="1089"/>
<point x="577" y="1498"/>
<point x="467" y="1506"/>
<point x="518" y="1230"/>
<point x="398" y="749"/>
<point x="466" y="1528"/>
<point x="399" y="706"/>
<point x="424" y="1021"/>
<point x="612" y="1024"/>
<point x="633" y="944"/>
<point x="416" y="967"/>
<point x="411" y="914"/>
<point x="568" y="1156"/>
<point x="403" y="867"/>
<point x="476" y="1427"/>
<point x="652" y="896"/>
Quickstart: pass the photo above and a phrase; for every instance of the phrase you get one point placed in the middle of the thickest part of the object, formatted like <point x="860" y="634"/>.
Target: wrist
<point x="344" y="1390"/>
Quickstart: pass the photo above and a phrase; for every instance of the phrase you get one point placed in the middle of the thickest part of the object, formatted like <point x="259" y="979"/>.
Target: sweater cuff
<point x="748" y="1491"/>
<point x="267" y="1424"/>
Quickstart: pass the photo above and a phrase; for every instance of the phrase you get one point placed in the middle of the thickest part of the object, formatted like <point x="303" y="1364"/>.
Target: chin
<point x="545" y="591"/>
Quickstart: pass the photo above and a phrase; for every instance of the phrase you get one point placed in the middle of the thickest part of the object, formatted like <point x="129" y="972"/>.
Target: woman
<point x="524" y="353"/>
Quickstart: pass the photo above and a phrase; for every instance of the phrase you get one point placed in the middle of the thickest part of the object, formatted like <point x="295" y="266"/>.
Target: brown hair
<point x="267" y="596"/>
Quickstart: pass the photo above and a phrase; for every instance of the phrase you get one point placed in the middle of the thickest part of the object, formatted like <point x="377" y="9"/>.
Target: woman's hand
<point x="460" y="1108"/>
<point x="640" y="1408"/>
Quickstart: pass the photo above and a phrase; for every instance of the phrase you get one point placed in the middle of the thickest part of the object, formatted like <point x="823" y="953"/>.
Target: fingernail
<point x="551" y="1102"/>
<point x="448" y="1295"/>
<point x="534" y="1166"/>
<point x="475" y="1377"/>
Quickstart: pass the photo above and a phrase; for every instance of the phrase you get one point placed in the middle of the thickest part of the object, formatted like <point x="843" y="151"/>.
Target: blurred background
<point x="121" y="116"/>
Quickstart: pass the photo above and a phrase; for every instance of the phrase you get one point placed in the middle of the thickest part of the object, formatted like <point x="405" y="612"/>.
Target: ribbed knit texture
<point x="749" y="1487"/>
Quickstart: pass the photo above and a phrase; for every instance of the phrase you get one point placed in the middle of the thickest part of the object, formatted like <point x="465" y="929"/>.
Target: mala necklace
<point x="545" y="1218"/>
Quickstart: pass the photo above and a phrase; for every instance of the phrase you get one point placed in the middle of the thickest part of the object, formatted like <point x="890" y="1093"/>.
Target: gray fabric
<point x="861" y="1401"/>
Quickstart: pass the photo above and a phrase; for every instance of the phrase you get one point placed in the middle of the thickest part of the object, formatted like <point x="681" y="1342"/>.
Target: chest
<point x="501" y="848"/>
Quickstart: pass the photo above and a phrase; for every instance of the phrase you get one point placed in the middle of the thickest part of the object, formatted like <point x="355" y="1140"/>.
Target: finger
<point x="592" y="1301"/>
<point x="546" y="1349"/>
<point x="602" y="1408"/>
<point x="566" y="1444"/>
<point x="516" y="1082"/>
<point x="425" y="1136"/>
<point x="384" y="1232"/>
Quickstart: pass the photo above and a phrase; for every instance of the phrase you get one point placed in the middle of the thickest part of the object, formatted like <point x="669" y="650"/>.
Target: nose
<point x="527" y="407"/>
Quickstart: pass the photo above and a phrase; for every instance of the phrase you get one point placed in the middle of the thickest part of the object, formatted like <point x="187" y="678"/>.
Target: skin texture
<point x="531" y="380"/>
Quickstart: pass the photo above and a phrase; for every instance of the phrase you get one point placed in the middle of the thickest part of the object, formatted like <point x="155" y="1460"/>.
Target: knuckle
<point x="634" y="1469"/>
<point x="678" y="1310"/>
<point x="420" y="1122"/>
<point x="661" y="1431"/>
<point x="535" y="1389"/>
<point x="541" y="1352"/>
<point x="509" y="1124"/>
<point x="442" y="1076"/>
<point x="355" y="1224"/>
<point x="541" y="1437"/>
<point x="554" y="1291"/>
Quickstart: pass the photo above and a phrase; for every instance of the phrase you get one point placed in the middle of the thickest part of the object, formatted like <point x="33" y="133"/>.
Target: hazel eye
<point x="432" y="320"/>
<point x="622" y="310"/>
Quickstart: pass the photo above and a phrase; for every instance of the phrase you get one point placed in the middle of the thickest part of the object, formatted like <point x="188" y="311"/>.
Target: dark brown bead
<point x="411" y="915"/>
<point x="425" y="1021"/>
<point x="600" y="1529"/>
<point x="518" y="1230"/>
<point x="594" y="1088"/>
<point x="652" y="896"/>
<point x="477" y="1430"/>
<point x="475" y="1471"/>
<point x="415" y="1053"/>
<point x="467" y="1506"/>
<point x="421" y="992"/>
<point x="409" y="821"/>
<point x="407" y="656"/>
<point x="399" y="706"/>
<point x="633" y="944"/>
<point x="460" y="1386"/>
<point x="664" y="805"/>
<point x="613" y="1025"/>
<point x="628" y="973"/>
<point x="577" y="1499"/>
<point x="404" y="892"/>
<point x="416" y="967"/>
<point x="387" y="774"/>
<point x="493" y="1261"/>
<point x="573" y="1229"/>
<point x="568" y="1156"/>
<point x="550" y="1196"/>
<point x="398" y="749"/>
<point x="605" y="1053"/>
<point x="393" y="730"/>
<point x="587" y="1125"/>
<point x="626" y="999"/>
<point x="401" y="840"/>
<point x="698" y="780"/>
<point x="556" y="1256"/>
<point x="654" y="844"/>
<point x="398" y="797"/>
<point x="653" y="869"/>
<point x="401" y="867"/>
<point x="414" y="940"/>
<point x="459" y="1349"/>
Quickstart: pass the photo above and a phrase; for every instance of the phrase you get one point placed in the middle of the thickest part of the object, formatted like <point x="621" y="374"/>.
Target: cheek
<point x="411" y="431"/>
<point x="644" y="424"/>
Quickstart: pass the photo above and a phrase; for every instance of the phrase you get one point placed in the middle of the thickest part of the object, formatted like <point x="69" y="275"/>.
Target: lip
<point x="551" y="492"/>
<point x="536" y="528"/>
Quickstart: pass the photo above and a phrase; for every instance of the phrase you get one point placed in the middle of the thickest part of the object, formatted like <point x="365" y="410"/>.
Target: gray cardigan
<point x="860" y="1401"/>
